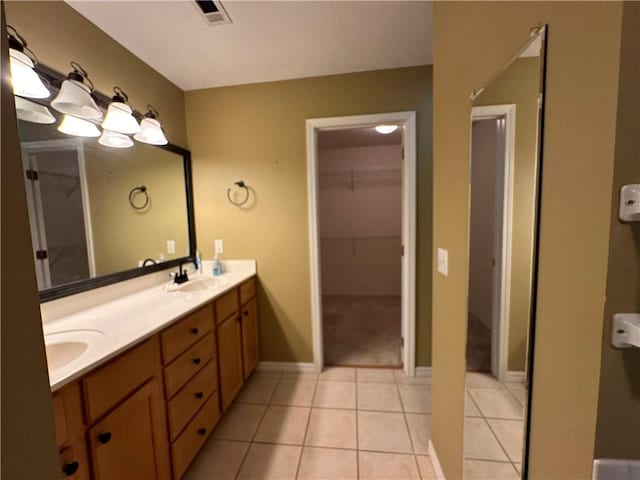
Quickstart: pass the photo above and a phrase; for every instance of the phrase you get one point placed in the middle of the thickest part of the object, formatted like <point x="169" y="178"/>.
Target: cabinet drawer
<point x="113" y="382"/>
<point x="189" y="442"/>
<point x="188" y="364"/>
<point x="226" y="305"/>
<point x="67" y="414"/>
<point x="247" y="290"/>
<point x="177" y="338"/>
<point x="74" y="461"/>
<point x="186" y="403"/>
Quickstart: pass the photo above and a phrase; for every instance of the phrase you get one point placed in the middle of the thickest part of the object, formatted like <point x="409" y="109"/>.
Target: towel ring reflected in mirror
<point x="135" y="192"/>
<point x="247" y="193"/>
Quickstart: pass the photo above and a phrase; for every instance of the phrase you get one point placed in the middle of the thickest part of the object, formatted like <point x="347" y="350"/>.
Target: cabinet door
<point x="250" y="348"/>
<point x="130" y="442"/>
<point x="229" y="359"/>
<point x="74" y="461"/>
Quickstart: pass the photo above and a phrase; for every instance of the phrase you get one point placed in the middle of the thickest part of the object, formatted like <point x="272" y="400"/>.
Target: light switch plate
<point x="219" y="246"/>
<point x="171" y="246"/>
<point x="443" y="262"/>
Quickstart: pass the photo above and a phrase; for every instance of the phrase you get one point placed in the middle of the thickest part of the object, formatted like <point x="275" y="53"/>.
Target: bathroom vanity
<point x="145" y="395"/>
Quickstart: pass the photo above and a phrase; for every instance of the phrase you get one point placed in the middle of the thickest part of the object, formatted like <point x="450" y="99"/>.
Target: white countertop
<point x="126" y="321"/>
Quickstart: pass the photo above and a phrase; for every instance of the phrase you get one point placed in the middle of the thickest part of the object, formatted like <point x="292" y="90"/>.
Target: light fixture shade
<point x="77" y="126"/>
<point x="75" y="99"/>
<point x="151" y="132"/>
<point x="386" y="129"/>
<point x="115" y="140"/>
<point x="119" y="119"/>
<point x="33" y="112"/>
<point x="26" y="81"/>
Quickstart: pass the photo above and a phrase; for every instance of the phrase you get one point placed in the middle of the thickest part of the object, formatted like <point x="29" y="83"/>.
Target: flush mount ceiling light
<point x="33" y="112"/>
<point x="26" y="81"/>
<point x="150" y="129"/>
<point x="77" y="126"/>
<point x="75" y="96"/>
<point x="114" y="140"/>
<point x="119" y="115"/>
<point x="386" y="129"/>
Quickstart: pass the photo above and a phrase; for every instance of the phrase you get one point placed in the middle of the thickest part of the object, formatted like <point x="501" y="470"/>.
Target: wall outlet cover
<point x="219" y="246"/>
<point x="443" y="261"/>
<point x="171" y="246"/>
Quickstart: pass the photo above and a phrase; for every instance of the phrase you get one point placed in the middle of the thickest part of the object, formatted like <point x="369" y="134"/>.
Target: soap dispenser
<point x="217" y="266"/>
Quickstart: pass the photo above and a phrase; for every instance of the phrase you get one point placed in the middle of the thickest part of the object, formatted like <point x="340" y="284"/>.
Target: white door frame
<point x="409" y="175"/>
<point x="502" y="241"/>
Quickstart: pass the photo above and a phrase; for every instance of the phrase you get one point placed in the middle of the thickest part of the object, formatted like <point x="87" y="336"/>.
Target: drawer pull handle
<point x="104" y="437"/>
<point x="246" y="313"/>
<point x="70" y="468"/>
<point x="199" y="395"/>
<point x="197" y="360"/>
<point x="202" y="431"/>
<point x="194" y="330"/>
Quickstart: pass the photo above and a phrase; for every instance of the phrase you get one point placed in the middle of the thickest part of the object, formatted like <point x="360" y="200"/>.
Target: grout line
<point x="306" y="429"/>
<point x="406" y="424"/>
<point x="357" y="430"/>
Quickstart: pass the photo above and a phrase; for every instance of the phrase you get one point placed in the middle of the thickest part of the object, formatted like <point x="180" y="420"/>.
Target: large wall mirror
<point x="506" y="133"/>
<point x="100" y="214"/>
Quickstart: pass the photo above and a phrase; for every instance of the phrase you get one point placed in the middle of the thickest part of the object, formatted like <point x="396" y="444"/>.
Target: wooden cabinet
<point x="250" y="347"/>
<point x="230" y="359"/>
<point x="130" y="442"/>
<point x="74" y="461"/>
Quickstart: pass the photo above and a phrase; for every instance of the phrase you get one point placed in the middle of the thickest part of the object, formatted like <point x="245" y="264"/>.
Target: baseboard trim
<point x="437" y="468"/>
<point x="423" y="371"/>
<point x="302" y="367"/>
<point x="515" y="377"/>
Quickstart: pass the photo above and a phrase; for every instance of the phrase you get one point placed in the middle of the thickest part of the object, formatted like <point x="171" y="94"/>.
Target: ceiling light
<point x="151" y="130"/>
<point x="386" y="129"/>
<point x="115" y="140"/>
<point x="33" y="112"/>
<point x="119" y="115"/>
<point x="26" y="81"/>
<point x="75" y="96"/>
<point x="77" y="126"/>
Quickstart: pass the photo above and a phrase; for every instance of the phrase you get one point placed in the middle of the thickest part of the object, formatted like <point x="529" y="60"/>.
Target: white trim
<point x="303" y="367"/>
<point x="409" y="175"/>
<point x="423" y="371"/>
<point x="435" y="462"/>
<point x="513" y="376"/>
<point x="502" y="245"/>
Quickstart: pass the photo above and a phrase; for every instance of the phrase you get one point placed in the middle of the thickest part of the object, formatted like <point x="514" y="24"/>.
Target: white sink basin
<point x="62" y="348"/>
<point x="197" y="284"/>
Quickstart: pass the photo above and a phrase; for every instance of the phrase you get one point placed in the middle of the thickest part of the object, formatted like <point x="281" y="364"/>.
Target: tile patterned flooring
<point x="345" y="423"/>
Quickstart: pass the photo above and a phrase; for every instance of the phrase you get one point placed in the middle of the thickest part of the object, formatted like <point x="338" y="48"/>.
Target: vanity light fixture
<point x="26" y="82"/>
<point x="115" y="140"/>
<point x="150" y="129"/>
<point x="75" y="97"/>
<point x="79" y="127"/>
<point x="119" y="116"/>
<point x="386" y="129"/>
<point x="33" y="112"/>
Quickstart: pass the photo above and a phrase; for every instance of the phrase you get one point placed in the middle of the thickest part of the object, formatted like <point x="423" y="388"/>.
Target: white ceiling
<point x="268" y="40"/>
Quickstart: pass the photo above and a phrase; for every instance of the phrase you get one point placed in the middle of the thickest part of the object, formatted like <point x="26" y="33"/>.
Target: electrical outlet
<point x="219" y="246"/>
<point x="171" y="246"/>
<point x="443" y="262"/>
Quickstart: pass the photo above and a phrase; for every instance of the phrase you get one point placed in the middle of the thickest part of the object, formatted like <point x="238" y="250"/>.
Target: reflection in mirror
<point x="96" y="211"/>
<point x="505" y="165"/>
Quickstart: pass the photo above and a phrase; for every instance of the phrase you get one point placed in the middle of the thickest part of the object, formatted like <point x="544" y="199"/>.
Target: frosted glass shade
<point x="386" y="129"/>
<point x="77" y="126"/>
<point x="119" y="119"/>
<point x="151" y="132"/>
<point x="26" y="81"/>
<point x="115" y="140"/>
<point x="33" y="112"/>
<point x="75" y="99"/>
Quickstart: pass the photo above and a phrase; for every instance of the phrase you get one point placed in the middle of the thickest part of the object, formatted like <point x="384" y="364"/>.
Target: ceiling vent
<point x="213" y="12"/>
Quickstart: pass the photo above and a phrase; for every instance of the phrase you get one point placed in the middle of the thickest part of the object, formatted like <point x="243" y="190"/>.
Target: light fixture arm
<point x="151" y="112"/>
<point x="80" y="75"/>
<point x="18" y="42"/>
<point x="120" y="95"/>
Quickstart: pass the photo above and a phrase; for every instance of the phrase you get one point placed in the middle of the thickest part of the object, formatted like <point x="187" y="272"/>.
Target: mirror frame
<point x="54" y="80"/>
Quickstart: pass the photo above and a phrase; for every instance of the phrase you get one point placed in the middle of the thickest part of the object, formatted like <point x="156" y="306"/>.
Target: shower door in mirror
<point x="504" y="195"/>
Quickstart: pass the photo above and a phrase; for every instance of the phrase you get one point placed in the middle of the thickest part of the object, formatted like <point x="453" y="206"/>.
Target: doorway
<point x="362" y="239"/>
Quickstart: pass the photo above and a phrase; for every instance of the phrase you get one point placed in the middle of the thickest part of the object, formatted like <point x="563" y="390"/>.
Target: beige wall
<point x="28" y="438"/>
<point x="618" y="429"/>
<point x="58" y="34"/>
<point x="520" y="84"/>
<point x="471" y="41"/>
<point x="257" y="133"/>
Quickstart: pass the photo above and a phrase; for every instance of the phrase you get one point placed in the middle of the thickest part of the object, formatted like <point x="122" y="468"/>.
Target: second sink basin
<point x="62" y="348"/>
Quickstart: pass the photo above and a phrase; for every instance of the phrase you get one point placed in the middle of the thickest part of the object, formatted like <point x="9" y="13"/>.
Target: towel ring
<point x="247" y="192"/>
<point x="135" y="191"/>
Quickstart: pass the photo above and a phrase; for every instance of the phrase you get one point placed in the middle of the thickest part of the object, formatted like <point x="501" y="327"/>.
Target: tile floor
<point x="344" y="423"/>
<point x="493" y="436"/>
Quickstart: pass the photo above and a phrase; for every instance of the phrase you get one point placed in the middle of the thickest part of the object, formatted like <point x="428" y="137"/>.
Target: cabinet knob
<point x="104" y="437"/>
<point x="246" y="313"/>
<point x="194" y="330"/>
<point x="202" y="431"/>
<point x="199" y="395"/>
<point x="70" y="468"/>
<point x="197" y="360"/>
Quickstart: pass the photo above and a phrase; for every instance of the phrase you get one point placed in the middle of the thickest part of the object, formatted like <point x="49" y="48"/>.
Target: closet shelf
<point x="353" y="179"/>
